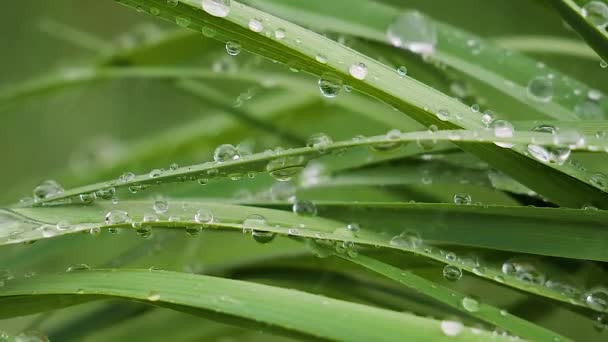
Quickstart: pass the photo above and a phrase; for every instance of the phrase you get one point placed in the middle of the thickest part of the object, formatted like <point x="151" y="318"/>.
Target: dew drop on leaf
<point x="452" y="273"/>
<point x="217" y="8"/>
<point x="330" y="84"/>
<point x="412" y="31"/>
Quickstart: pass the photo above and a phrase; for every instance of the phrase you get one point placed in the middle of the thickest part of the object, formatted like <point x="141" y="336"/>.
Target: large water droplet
<point x="226" y="152"/>
<point x="358" y="71"/>
<point x="204" y="217"/>
<point x="463" y="199"/>
<point x="546" y="154"/>
<point x="256" y="25"/>
<point x="304" y="208"/>
<point x="451" y="328"/>
<point x="330" y="84"/>
<point x="599" y="180"/>
<point x="596" y="12"/>
<point x="217" y="8"/>
<point x="393" y="142"/>
<point x="525" y="271"/>
<point x="283" y="169"/>
<point x="47" y="189"/>
<point x="470" y="304"/>
<point x="233" y="48"/>
<point x="597" y="298"/>
<point x="540" y="89"/>
<point x="411" y="30"/>
<point x="116" y="217"/>
<point x="503" y="129"/>
<point x="452" y="273"/>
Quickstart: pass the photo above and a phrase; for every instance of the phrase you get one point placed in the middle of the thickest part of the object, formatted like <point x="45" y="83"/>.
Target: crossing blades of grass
<point x="30" y="224"/>
<point x="417" y="100"/>
<point x="299" y="314"/>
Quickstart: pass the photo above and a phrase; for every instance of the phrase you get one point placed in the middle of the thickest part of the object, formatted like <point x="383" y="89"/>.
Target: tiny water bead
<point x="155" y="173"/>
<point x="226" y="152"/>
<point x="330" y="84"/>
<point x="451" y="328"/>
<point x="452" y="273"/>
<point x="599" y="180"/>
<point x="540" y="89"/>
<point x="443" y="115"/>
<point x="523" y="270"/>
<point x="47" y="189"/>
<point x="487" y="118"/>
<point x="280" y="34"/>
<point x="413" y="31"/>
<point x="116" y="217"/>
<point x="153" y="296"/>
<point x="233" y="48"/>
<point x="321" y="58"/>
<point x="402" y="71"/>
<point x="503" y="129"/>
<point x="256" y="25"/>
<point x="353" y="227"/>
<point x="597" y="298"/>
<point x="596" y="12"/>
<point x="78" y="267"/>
<point x="545" y="154"/>
<point x="217" y="8"/>
<point x="475" y="108"/>
<point x="304" y="208"/>
<point x="358" y="71"/>
<point x="88" y="198"/>
<point x="126" y="177"/>
<point x="160" y="206"/>
<point x="470" y="304"/>
<point x="182" y="21"/>
<point x="463" y="199"/>
<point x="106" y="194"/>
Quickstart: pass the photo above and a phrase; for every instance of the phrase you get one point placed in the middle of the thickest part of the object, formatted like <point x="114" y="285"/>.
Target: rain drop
<point x="463" y="199"/>
<point x="226" y="152"/>
<point x="596" y="12"/>
<point x="452" y="273"/>
<point x="503" y="129"/>
<point x="597" y="298"/>
<point x="557" y="155"/>
<point x="540" y="89"/>
<point x="451" y="328"/>
<point x="47" y="189"/>
<point x="304" y="208"/>
<point x="470" y="304"/>
<point x="233" y="48"/>
<point x="358" y="71"/>
<point x="217" y="8"/>
<point x="114" y="217"/>
<point x="411" y="30"/>
<point x="330" y="85"/>
<point x="402" y="71"/>
<point x="256" y="25"/>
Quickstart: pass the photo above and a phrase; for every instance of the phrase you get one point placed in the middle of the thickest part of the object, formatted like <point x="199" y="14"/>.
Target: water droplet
<point x="402" y="71"/>
<point x="503" y="129"/>
<point x="358" y="71"/>
<point x="126" y="177"/>
<point x="601" y="322"/>
<point x="452" y="273"/>
<point x="540" y="88"/>
<point x="217" y="8"/>
<point x="463" y="199"/>
<point x="153" y="296"/>
<point x="393" y="136"/>
<point x="78" y="267"/>
<point x="233" y="48"/>
<point x="88" y="198"/>
<point x="182" y="21"/>
<point x="599" y="180"/>
<point x="160" y="206"/>
<point x="279" y="34"/>
<point x="256" y="25"/>
<point x="304" y="208"/>
<point x="283" y="169"/>
<point x="409" y="239"/>
<point x="443" y="115"/>
<point x="451" y="328"/>
<point x="545" y="154"/>
<point x="524" y="271"/>
<point x="63" y="225"/>
<point x="597" y="298"/>
<point x="173" y="166"/>
<point x="155" y="173"/>
<point x="596" y="12"/>
<point x="114" y="217"/>
<point x="204" y="217"/>
<point x="487" y="118"/>
<point x="226" y="152"/>
<point x="95" y="231"/>
<point x="475" y="108"/>
<point x="353" y="227"/>
<point x="470" y="304"/>
<point x="411" y="30"/>
<point x="321" y="58"/>
<point x="106" y="194"/>
<point x="172" y="3"/>
<point x="330" y="84"/>
<point x="319" y="142"/>
<point x="47" y="189"/>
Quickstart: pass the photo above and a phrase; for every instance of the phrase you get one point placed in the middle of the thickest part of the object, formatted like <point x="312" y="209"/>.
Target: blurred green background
<point x="39" y="137"/>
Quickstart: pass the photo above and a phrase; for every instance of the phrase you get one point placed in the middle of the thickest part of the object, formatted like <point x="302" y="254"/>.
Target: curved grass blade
<point x="300" y="313"/>
<point x="595" y="35"/>
<point x="418" y="101"/>
<point x="547" y="45"/>
<point x="30" y="224"/>
<point x="467" y="305"/>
